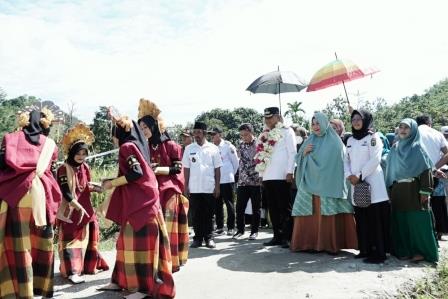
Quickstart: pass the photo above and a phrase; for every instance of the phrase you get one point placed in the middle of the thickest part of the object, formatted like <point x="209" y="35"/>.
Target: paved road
<point x="246" y="269"/>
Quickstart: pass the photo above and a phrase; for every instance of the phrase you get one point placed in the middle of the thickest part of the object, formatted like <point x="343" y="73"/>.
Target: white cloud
<point x="192" y="56"/>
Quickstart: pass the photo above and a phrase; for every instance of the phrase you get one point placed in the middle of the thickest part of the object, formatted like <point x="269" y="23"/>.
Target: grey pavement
<point x="247" y="269"/>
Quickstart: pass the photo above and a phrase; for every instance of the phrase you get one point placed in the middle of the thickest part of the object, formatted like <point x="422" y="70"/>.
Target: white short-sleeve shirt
<point x="230" y="161"/>
<point x="433" y="141"/>
<point x="202" y="161"/>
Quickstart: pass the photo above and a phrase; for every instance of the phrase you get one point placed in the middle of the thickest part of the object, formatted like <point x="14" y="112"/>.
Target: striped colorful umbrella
<point x="336" y="72"/>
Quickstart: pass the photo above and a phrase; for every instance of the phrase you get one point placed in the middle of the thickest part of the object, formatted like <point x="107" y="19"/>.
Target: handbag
<point x="362" y="195"/>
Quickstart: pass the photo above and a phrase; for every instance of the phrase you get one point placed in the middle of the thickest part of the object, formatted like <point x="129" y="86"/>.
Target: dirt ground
<point x="247" y="269"/>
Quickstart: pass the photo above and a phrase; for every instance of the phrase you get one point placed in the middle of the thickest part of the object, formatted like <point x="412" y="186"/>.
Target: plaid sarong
<point x="78" y="251"/>
<point x="176" y="219"/>
<point x="143" y="260"/>
<point x="26" y="253"/>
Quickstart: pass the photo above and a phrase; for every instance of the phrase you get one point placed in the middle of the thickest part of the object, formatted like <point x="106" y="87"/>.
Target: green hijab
<point x="407" y="158"/>
<point x="321" y="172"/>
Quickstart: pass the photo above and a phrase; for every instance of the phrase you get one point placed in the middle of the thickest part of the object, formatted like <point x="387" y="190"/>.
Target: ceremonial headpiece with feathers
<point x="77" y="134"/>
<point x="146" y="107"/>
<point x="46" y="119"/>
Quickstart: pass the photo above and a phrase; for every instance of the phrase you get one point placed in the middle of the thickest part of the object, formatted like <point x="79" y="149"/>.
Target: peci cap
<point x="186" y="132"/>
<point x="271" y="111"/>
<point x="200" y="125"/>
<point x="216" y="130"/>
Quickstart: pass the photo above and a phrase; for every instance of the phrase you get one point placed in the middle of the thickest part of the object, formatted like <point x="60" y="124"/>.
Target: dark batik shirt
<point x="247" y="174"/>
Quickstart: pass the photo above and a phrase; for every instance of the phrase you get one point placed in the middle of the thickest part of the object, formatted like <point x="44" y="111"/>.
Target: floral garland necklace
<point x="265" y="146"/>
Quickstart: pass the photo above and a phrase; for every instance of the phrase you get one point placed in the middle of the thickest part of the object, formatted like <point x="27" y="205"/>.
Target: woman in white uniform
<point x="362" y="163"/>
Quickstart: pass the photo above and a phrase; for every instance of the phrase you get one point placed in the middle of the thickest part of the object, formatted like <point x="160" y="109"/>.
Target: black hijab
<point x="153" y="125"/>
<point x="33" y="130"/>
<point x="135" y="135"/>
<point x="367" y="122"/>
<point x="74" y="150"/>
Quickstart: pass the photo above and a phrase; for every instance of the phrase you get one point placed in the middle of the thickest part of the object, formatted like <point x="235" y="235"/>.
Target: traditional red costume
<point x="166" y="156"/>
<point x="29" y="198"/>
<point x="78" y="241"/>
<point x="143" y="262"/>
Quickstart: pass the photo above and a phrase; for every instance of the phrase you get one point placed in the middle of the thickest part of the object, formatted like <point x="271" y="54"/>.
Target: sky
<point x="193" y="56"/>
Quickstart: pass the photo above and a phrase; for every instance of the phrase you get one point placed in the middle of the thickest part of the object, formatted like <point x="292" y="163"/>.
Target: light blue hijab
<point x="407" y="158"/>
<point x="321" y="172"/>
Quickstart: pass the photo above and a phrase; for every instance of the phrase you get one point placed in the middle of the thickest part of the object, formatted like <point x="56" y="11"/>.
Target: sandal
<point x="109" y="287"/>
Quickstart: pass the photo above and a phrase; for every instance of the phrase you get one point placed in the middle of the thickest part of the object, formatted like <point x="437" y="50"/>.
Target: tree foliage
<point x="101" y="128"/>
<point x="230" y="120"/>
<point x="8" y="112"/>
<point x="296" y="113"/>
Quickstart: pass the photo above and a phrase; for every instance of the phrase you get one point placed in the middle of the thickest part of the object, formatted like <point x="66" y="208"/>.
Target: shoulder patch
<point x="132" y="160"/>
<point x="373" y="141"/>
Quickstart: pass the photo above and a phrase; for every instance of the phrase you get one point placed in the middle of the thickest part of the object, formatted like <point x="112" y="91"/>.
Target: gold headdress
<point x="79" y="133"/>
<point x="146" y="107"/>
<point x="45" y="121"/>
<point x="117" y="119"/>
<point x="47" y="117"/>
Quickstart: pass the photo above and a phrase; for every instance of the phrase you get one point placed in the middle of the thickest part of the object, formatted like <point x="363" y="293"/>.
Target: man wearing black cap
<point x="278" y="176"/>
<point x="202" y="163"/>
<point x="228" y="170"/>
<point x="187" y="138"/>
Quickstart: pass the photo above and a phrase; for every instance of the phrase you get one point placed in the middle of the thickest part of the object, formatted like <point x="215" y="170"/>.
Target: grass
<point x="434" y="285"/>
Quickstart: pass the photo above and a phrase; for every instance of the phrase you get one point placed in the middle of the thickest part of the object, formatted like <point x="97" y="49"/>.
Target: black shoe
<point x="210" y="244"/>
<point x="219" y="232"/>
<point x="285" y="244"/>
<point x="361" y="255"/>
<point x="196" y="244"/>
<point x="273" y="242"/>
<point x="374" y="260"/>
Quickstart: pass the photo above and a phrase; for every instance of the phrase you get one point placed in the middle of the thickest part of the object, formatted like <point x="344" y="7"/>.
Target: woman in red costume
<point x="166" y="156"/>
<point x="29" y="199"/>
<point x="143" y="263"/>
<point x="78" y="240"/>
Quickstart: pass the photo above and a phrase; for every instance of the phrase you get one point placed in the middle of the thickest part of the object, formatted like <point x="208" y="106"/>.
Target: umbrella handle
<point x="346" y="95"/>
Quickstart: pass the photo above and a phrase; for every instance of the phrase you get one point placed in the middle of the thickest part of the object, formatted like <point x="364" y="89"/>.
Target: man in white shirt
<point x="202" y="163"/>
<point x="229" y="168"/>
<point x="433" y="141"/>
<point x="277" y="179"/>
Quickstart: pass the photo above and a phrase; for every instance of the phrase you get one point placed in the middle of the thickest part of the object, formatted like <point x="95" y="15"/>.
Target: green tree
<point x="8" y="113"/>
<point x="230" y="120"/>
<point x="101" y="128"/>
<point x="338" y="108"/>
<point x="2" y="95"/>
<point x="295" y="112"/>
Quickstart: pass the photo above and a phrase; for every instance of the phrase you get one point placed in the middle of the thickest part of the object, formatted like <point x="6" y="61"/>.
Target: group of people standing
<point x="324" y="192"/>
<point x="346" y="200"/>
<point x="330" y="190"/>
<point x="146" y="200"/>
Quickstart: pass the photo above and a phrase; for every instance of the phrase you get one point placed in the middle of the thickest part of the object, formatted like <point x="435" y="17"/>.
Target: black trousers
<point x="373" y="229"/>
<point x="279" y="201"/>
<point x="202" y="207"/>
<point x="440" y="212"/>
<point x="244" y="193"/>
<point x="226" y="197"/>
